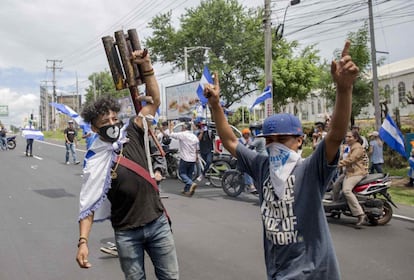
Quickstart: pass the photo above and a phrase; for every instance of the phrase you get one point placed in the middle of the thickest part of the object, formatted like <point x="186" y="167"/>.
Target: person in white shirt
<point x="188" y="146"/>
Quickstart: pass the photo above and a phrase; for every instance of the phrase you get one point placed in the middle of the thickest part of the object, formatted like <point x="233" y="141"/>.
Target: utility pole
<point x="54" y="98"/>
<point x="268" y="55"/>
<point x="374" y="68"/>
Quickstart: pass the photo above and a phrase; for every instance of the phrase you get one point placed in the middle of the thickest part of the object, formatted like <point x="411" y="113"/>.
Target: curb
<point x="403" y="218"/>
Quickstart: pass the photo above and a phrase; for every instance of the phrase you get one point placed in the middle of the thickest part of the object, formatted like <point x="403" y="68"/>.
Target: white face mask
<point x="282" y="161"/>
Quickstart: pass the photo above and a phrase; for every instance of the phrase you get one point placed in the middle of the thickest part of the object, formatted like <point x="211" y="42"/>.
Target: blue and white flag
<point x="67" y="111"/>
<point x="156" y="117"/>
<point x="205" y="79"/>
<point x="391" y="135"/>
<point x="32" y="134"/>
<point x="267" y="93"/>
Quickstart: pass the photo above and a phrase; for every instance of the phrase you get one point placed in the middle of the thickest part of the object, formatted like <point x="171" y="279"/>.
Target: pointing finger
<point x="216" y="80"/>
<point x="345" y="51"/>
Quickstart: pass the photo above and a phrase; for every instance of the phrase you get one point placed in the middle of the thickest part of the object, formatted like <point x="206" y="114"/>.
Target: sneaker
<point x="77" y="162"/>
<point x="111" y="250"/>
<point x="361" y="220"/>
<point x="192" y="188"/>
<point x="200" y="178"/>
<point x="207" y="183"/>
<point x="67" y="162"/>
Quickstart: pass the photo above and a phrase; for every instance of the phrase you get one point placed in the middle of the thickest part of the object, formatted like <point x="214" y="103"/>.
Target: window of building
<point x="401" y="92"/>
<point x="313" y="108"/>
<point x="319" y="106"/>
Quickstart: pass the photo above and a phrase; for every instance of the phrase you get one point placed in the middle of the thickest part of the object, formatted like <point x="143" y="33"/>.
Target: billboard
<point x="4" y="110"/>
<point x="181" y="100"/>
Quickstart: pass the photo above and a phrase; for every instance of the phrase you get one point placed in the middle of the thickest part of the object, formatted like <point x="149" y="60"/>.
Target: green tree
<point x="233" y="34"/>
<point x="240" y="116"/>
<point x="293" y="76"/>
<point x="102" y="84"/>
<point x="362" y="93"/>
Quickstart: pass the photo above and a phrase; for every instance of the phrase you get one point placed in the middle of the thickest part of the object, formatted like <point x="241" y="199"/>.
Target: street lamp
<point x="282" y="25"/>
<point x="188" y="50"/>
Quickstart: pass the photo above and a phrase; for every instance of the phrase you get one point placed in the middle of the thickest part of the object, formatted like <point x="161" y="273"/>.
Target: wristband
<point x="82" y="242"/>
<point x="83" y="238"/>
<point x="148" y="73"/>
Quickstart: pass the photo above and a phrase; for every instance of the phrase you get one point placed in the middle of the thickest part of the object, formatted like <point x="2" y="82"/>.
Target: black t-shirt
<point x="134" y="201"/>
<point x="206" y="142"/>
<point x="70" y="134"/>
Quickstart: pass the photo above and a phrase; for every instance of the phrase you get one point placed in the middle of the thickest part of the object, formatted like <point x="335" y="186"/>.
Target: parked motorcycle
<point x="11" y="142"/>
<point x="372" y="195"/>
<point x="233" y="183"/>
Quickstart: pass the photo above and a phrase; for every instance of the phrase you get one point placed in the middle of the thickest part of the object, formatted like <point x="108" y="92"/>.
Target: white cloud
<point x="20" y="106"/>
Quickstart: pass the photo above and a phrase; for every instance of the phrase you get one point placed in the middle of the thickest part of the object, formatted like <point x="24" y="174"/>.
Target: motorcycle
<point x="172" y="159"/>
<point x="233" y="183"/>
<point x="378" y="210"/>
<point x="11" y="142"/>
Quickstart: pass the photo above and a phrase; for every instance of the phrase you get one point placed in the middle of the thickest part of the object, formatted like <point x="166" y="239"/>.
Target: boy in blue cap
<point x="297" y="241"/>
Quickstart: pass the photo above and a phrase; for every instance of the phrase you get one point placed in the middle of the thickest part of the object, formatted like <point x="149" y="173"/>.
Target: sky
<point x="35" y="31"/>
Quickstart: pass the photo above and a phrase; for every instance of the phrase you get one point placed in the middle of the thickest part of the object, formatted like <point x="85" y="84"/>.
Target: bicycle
<point x="214" y="174"/>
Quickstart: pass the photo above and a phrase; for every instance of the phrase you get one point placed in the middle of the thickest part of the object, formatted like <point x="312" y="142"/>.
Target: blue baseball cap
<point x="281" y="124"/>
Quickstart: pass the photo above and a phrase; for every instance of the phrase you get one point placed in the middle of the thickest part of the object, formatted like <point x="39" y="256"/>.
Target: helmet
<point x="199" y="121"/>
<point x="256" y="128"/>
<point x="245" y="131"/>
<point x="281" y="124"/>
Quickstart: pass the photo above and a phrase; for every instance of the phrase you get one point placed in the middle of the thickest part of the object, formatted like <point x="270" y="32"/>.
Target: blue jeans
<point x="247" y="179"/>
<point x="208" y="158"/>
<point x="70" y="147"/>
<point x="3" y="143"/>
<point x="154" y="238"/>
<point x="186" y="170"/>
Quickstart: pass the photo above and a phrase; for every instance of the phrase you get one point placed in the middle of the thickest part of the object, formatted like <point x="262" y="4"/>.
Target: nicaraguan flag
<point x="205" y="79"/>
<point x="391" y="135"/>
<point x="32" y="134"/>
<point x="267" y="93"/>
<point x="67" y="111"/>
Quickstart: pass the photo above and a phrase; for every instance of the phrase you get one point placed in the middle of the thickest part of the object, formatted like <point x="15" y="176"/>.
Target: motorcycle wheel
<point x="172" y="168"/>
<point x="386" y="217"/>
<point x="232" y="183"/>
<point x="216" y="171"/>
<point x="11" y="145"/>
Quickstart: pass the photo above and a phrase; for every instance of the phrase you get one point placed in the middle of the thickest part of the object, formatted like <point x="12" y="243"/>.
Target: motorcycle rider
<point x="258" y="143"/>
<point x="356" y="168"/>
<point x="206" y="144"/>
<point x="3" y="138"/>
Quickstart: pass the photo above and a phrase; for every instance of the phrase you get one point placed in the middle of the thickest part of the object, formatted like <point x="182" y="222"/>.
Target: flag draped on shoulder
<point x="205" y="79"/>
<point x="391" y="135"/>
<point x="266" y="94"/>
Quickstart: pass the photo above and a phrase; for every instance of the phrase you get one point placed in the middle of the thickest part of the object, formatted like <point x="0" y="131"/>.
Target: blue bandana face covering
<point x="110" y="133"/>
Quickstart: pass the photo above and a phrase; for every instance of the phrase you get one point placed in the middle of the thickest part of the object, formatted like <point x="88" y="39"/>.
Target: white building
<point x="396" y="80"/>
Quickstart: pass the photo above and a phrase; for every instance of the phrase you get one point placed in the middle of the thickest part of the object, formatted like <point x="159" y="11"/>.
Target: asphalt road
<point x="217" y="237"/>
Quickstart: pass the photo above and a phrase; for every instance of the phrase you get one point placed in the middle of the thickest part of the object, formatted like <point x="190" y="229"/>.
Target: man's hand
<point x="142" y="57"/>
<point x="212" y="92"/>
<point x="82" y="256"/>
<point x="344" y="71"/>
